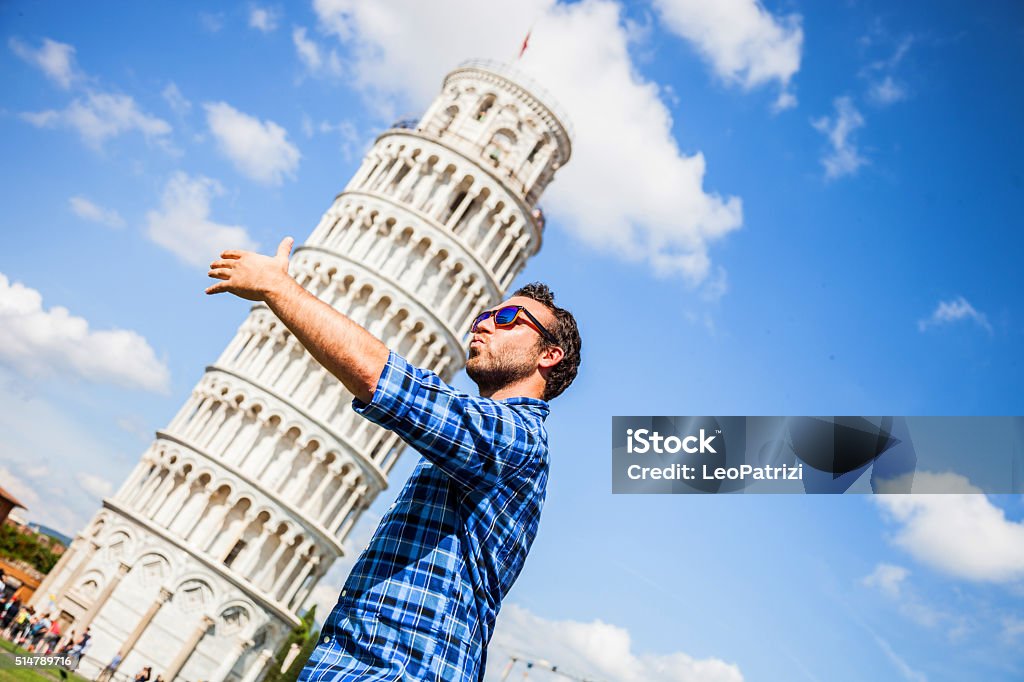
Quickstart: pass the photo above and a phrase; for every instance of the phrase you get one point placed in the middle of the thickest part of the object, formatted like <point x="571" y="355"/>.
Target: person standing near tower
<point x="421" y="600"/>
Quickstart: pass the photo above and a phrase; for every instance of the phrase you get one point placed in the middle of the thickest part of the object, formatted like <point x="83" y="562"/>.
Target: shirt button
<point x="327" y="640"/>
<point x="344" y="592"/>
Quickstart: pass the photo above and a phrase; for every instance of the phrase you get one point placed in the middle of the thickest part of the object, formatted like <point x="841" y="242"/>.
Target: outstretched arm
<point x="345" y="349"/>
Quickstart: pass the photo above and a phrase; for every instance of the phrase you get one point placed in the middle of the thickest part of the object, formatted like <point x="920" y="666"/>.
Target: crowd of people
<point x="41" y="634"/>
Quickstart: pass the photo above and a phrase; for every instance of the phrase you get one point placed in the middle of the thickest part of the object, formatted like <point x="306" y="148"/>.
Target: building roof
<point x="11" y="498"/>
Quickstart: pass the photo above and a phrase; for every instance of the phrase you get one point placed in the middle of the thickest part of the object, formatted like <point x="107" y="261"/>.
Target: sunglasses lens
<point x="506" y="316"/>
<point x="479" y="318"/>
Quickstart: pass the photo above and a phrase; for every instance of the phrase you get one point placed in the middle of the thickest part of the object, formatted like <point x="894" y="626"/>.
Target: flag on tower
<point x="526" y="42"/>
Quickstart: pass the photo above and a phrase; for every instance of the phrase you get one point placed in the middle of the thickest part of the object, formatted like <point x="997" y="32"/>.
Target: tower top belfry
<point x="506" y="121"/>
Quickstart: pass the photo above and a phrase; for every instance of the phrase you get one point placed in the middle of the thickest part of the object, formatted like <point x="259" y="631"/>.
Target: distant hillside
<point x="46" y="530"/>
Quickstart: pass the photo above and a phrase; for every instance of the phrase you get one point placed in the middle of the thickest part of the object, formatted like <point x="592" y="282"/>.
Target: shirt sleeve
<point x="476" y="441"/>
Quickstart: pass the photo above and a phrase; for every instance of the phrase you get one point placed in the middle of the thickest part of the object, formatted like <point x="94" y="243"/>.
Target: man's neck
<point x="529" y="387"/>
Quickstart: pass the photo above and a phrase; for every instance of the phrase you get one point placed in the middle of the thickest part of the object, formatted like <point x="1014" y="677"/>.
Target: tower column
<point x="350" y="500"/>
<point x="218" y="520"/>
<point x="149" y="486"/>
<point x="252" y="558"/>
<point x="475" y="226"/>
<point x="230" y="658"/>
<point x="246" y="521"/>
<point x="253" y="673"/>
<point x="147" y="618"/>
<point x="160" y="496"/>
<point x="124" y="492"/>
<point x="331" y="506"/>
<point x="300" y="599"/>
<point x="356" y="511"/>
<point x="186" y="650"/>
<point x="485" y="244"/>
<point x="332" y="472"/>
<point x="307" y="568"/>
<point x="282" y="579"/>
<point x="286" y="541"/>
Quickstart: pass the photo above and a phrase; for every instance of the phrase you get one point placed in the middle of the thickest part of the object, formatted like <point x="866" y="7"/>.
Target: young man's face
<point x="499" y="356"/>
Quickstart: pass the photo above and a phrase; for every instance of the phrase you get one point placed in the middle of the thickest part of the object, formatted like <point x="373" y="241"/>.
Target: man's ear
<point x="550" y="356"/>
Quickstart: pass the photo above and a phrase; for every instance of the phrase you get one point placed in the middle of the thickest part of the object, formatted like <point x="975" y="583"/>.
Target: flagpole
<point x="526" y="42"/>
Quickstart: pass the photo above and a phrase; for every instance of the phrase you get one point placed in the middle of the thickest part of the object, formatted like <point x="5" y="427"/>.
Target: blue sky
<point x="779" y="208"/>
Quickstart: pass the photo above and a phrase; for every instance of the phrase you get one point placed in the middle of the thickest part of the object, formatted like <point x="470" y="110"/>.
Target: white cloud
<point x="884" y="89"/>
<point x="22" y="490"/>
<point x="899" y="52"/>
<point x="909" y="673"/>
<point x="743" y="41"/>
<point x="716" y="287"/>
<point x="136" y="426"/>
<point x="182" y="224"/>
<point x="628" y="189"/>
<point x="87" y="210"/>
<point x="1013" y="629"/>
<point x="260" y="150"/>
<point x="42" y="451"/>
<point x="785" y="100"/>
<point x="593" y="650"/>
<point x="36" y="470"/>
<point x="56" y="60"/>
<point x="101" y="116"/>
<point x="887" y="578"/>
<point x="175" y="100"/>
<point x="844" y="158"/>
<point x="345" y="130"/>
<point x="892" y="582"/>
<point x="212" y="22"/>
<point x="948" y="312"/>
<point x="963" y="535"/>
<point x="887" y="91"/>
<point x="97" y="486"/>
<point x="263" y="19"/>
<point x="311" y="55"/>
<point x="96" y="116"/>
<point x="35" y="341"/>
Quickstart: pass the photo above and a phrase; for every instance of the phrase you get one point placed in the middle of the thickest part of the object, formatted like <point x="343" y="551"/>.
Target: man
<point x="421" y="601"/>
<point x="110" y="670"/>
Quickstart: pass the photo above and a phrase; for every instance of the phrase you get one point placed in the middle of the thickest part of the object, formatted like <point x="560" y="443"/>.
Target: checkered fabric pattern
<point x="421" y="600"/>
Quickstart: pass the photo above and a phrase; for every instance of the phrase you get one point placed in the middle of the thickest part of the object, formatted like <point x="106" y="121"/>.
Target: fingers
<point x="232" y="253"/>
<point x="219" y="273"/>
<point x="229" y="263"/>
<point x="285" y="247"/>
<point x="218" y="288"/>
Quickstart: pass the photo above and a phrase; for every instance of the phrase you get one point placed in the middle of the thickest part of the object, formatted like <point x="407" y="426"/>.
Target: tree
<point x="306" y="636"/>
<point x="26" y="547"/>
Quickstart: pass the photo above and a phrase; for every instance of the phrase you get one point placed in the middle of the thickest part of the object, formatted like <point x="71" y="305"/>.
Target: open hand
<point x="250" y="275"/>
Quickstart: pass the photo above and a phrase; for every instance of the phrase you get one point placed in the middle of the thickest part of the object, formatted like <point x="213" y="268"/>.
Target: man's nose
<point x="487" y="325"/>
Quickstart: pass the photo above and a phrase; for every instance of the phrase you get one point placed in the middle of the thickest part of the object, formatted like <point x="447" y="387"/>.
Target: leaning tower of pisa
<point x="198" y="566"/>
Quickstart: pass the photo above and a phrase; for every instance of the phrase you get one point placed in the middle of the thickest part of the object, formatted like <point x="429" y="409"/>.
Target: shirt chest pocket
<point x="406" y="633"/>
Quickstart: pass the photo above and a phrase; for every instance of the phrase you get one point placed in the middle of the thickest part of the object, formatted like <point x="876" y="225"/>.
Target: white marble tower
<point x="200" y="563"/>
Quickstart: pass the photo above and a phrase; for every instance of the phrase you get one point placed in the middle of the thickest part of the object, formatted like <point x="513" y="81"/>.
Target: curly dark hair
<point x="565" y="332"/>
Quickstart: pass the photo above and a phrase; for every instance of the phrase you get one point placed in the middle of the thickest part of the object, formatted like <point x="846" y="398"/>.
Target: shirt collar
<point x="540" y="407"/>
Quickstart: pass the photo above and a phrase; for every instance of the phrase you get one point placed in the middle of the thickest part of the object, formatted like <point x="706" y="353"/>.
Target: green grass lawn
<point x="11" y="673"/>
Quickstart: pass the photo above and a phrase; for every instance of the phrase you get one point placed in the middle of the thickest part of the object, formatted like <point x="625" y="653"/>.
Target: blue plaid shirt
<point x="421" y="600"/>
